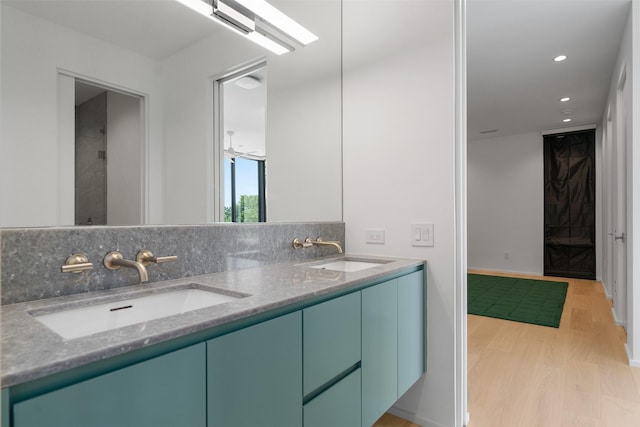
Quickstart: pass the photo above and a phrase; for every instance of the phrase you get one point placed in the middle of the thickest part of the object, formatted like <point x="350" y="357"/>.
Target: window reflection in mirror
<point x="243" y="117"/>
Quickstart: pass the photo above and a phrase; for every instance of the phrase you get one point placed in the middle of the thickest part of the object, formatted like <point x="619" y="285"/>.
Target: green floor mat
<point x="539" y="302"/>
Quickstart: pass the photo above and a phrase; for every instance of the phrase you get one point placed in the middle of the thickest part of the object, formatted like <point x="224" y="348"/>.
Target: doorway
<point x="240" y="140"/>
<point x="103" y="153"/>
<point x="108" y="156"/>
<point x="570" y="205"/>
<point x="618" y="181"/>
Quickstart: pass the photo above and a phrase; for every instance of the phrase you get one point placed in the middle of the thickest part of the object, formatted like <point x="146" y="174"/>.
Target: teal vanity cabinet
<point x="341" y="362"/>
<point x="393" y="342"/>
<point x="254" y="375"/>
<point x="411" y="330"/>
<point x="379" y="350"/>
<point x="168" y="390"/>
<point x="339" y="406"/>
<point x="331" y="362"/>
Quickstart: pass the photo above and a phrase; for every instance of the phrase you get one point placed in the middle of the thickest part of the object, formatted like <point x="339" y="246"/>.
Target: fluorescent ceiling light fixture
<point x="279" y="20"/>
<point x="566" y="120"/>
<point x="560" y="58"/>
<point x="267" y="43"/>
<point x="565" y="99"/>
<point x="224" y="13"/>
<point x="198" y="6"/>
<point x="234" y="18"/>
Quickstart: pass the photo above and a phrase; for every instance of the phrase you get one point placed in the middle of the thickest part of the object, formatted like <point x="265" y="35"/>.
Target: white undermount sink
<point x="86" y="320"/>
<point x="348" y="266"/>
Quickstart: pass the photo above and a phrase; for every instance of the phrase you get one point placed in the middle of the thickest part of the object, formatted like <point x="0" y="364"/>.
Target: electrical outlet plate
<point x="422" y="234"/>
<point x="374" y="236"/>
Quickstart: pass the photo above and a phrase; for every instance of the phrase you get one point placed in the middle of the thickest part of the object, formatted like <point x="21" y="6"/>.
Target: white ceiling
<point x="514" y="85"/>
<point x="153" y="28"/>
<point x="245" y="115"/>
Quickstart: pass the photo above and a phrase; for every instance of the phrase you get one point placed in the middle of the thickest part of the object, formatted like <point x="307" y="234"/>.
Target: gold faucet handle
<point x="76" y="263"/>
<point x="301" y="245"/>
<point x="146" y="257"/>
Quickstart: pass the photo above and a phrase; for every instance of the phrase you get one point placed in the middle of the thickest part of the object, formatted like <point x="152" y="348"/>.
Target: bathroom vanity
<point x="315" y="343"/>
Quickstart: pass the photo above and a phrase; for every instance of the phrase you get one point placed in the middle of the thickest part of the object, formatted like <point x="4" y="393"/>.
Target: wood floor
<point x="388" y="420"/>
<point x="574" y="375"/>
<point x="528" y="375"/>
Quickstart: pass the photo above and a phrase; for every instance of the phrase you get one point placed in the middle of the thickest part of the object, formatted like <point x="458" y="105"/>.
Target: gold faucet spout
<point x="115" y="260"/>
<point x="320" y="242"/>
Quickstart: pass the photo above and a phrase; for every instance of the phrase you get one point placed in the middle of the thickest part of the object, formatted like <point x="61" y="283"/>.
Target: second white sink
<point x="87" y="320"/>
<point x="348" y="266"/>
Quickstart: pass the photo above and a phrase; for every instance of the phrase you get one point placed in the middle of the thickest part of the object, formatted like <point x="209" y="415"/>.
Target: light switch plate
<point x="422" y="234"/>
<point x="374" y="236"/>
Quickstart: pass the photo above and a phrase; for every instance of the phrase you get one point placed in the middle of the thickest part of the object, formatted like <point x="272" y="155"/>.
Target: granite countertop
<point x="30" y="350"/>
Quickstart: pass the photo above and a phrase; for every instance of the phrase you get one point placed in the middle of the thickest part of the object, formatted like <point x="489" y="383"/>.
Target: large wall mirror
<point x="155" y="68"/>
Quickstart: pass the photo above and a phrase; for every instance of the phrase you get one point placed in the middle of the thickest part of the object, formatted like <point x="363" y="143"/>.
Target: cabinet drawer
<point x="338" y="406"/>
<point x="331" y="339"/>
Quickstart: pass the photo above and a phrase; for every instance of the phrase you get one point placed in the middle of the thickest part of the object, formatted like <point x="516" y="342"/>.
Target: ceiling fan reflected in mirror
<point x="231" y="154"/>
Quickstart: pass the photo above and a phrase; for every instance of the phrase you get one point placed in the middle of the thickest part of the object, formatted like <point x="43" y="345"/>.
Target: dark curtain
<point x="569" y="205"/>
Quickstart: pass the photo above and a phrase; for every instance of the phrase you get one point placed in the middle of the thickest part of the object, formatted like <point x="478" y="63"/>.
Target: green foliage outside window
<point x="246" y="209"/>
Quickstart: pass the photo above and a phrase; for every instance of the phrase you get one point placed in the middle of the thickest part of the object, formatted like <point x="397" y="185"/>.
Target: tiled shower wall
<point x="30" y="259"/>
<point x="90" y="165"/>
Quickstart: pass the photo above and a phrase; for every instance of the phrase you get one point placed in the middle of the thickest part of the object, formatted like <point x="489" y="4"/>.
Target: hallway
<point x="576" y="375"/>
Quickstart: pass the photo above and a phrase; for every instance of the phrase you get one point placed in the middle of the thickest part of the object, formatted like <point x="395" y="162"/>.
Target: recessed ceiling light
<point x="566" y="113"/>
<point x="248" y="82"/>
<point x="565" y="99"/>
<point x="566" y="120"/>
<point x="560" y="58"/>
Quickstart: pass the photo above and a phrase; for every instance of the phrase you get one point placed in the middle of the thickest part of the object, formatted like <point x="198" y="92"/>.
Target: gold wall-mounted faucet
<point x="308" y="242"/>
<point x="114" y="260"/>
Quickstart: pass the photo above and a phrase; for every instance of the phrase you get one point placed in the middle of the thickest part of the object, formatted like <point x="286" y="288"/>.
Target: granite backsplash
<point x="30" y="258"/>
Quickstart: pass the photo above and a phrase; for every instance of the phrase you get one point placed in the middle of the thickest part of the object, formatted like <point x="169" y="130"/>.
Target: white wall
<point x="399" y="148"/>
<point x="124" y="157"/>
<point x="633" y="331"/>
<point x="627" y="310"/>
<point x="33" y="50"/>
<point x="506" y="203"/>
<point x="187" y="78"/>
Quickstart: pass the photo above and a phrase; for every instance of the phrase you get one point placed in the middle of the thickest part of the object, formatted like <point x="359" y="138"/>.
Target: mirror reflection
<point x="243" y="108"/>
<point x="169" y="58"/>
<point x="108" y="141"/>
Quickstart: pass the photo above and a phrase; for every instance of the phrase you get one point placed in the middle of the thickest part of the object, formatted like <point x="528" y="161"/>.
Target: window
<point x="244" y="199"/>
<point x="240" y="132"/>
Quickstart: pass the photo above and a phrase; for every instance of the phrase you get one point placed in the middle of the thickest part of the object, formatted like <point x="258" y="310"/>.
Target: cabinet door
<point x="338" y="406"/>
<point x="254" y="375"/>
<point x="411" y="330"/>
<point x="167" y="391"/>
<point x="4" y="412"/>
<point x="331" y="339"/>
<point x="379" y="350"/>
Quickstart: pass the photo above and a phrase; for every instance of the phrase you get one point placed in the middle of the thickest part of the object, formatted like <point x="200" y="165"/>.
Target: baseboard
<point x="617" y="321"/>
<point x="406" y="415"/>
<point x="607" y="295"/>
<point x="633" y="363"/>
<point x="490" y="271"/>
